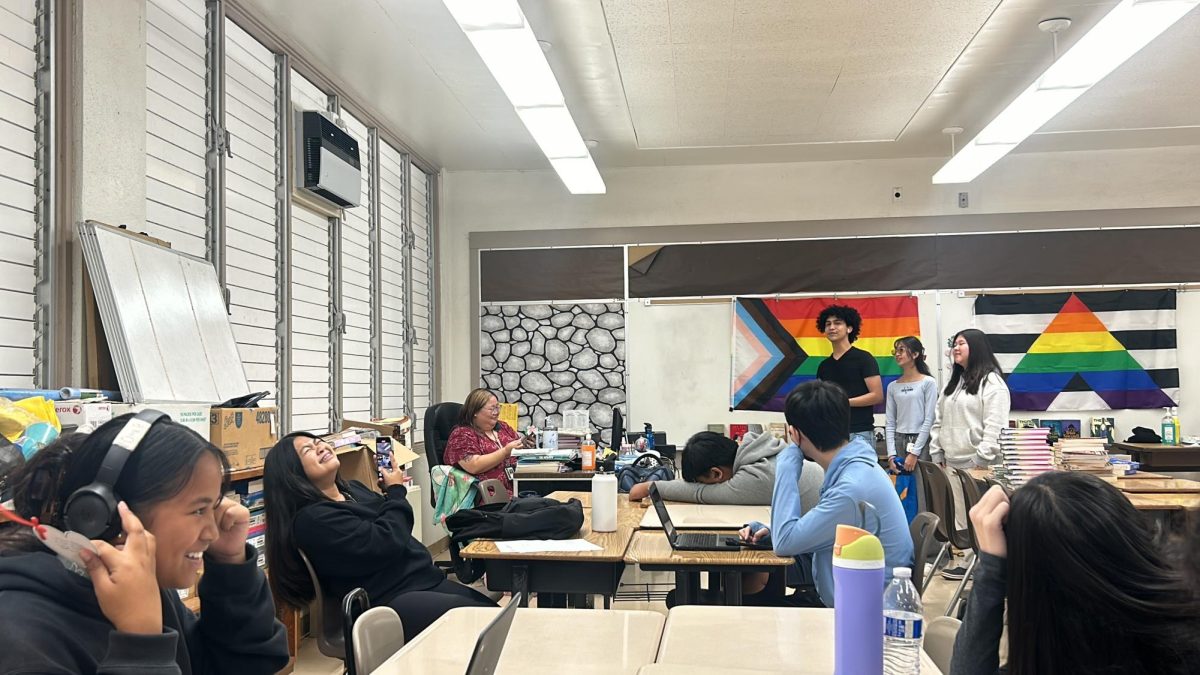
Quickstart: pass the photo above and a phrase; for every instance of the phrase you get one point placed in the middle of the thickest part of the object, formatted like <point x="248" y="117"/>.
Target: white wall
<point x="646" y="197"/>
<point x="679" y="365"/>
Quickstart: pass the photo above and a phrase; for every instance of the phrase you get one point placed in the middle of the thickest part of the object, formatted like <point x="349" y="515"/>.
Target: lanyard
<point x="38" y="528"/>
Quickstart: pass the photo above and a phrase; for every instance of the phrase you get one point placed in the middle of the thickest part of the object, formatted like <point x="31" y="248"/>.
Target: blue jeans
<point x="868" y="436"/>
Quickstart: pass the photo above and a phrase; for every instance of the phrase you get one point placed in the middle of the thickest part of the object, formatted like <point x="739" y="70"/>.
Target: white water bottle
<point x="903" y="625"/>
<point x="604" y="502"/>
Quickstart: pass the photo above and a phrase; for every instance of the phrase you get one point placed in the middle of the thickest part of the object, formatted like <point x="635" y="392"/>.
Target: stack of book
<point x="1027" y="454"/>
<point x="258" y="534"/>
<point x="1082" y="454"/>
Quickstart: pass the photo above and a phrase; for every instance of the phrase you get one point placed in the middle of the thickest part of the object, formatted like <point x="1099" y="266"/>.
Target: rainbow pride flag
<point x="777" y="344"/>
<point x="1084" y="351"/>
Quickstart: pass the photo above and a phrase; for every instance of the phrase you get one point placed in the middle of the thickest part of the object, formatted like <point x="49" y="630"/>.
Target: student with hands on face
<point x="121" y="613"/>
<point x="1089" y="587"/>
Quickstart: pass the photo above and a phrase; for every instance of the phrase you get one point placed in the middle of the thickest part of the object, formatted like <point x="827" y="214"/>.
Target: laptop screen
<point x="663" y="516"/>
<point x="490" y="644"/>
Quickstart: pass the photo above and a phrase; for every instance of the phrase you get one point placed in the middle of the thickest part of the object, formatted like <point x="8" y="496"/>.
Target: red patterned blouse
<point x="465" y="441"/>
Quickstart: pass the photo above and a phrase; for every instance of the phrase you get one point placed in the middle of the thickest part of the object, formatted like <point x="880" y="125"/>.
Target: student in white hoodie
<point x="972" y="411"/>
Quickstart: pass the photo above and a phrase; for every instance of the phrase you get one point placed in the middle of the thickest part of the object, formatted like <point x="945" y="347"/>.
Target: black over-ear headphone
<point x="92" y="509"/>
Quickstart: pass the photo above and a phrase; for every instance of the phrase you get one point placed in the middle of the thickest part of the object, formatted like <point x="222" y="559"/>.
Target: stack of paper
<point x="1082" y="454"/>
<point x="1027" y="453"/>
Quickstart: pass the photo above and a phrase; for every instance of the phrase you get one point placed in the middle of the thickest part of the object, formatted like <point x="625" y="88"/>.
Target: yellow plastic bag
<point x="42" y="408"/>
<point x="14" y="419"/>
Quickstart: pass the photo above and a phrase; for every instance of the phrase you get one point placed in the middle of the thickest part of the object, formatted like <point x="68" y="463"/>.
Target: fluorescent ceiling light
<point x="1130" y="26"/>
<point x="579" y="174"/>
<point x="554" y="131"/>
<point x="502" y="37"/>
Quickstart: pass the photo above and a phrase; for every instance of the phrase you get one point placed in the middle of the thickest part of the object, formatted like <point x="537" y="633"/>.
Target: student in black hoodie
<point x="122" y="614"/>
<point x="352" y="536"/>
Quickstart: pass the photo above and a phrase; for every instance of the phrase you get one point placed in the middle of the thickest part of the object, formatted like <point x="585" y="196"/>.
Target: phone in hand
<point x="383" y="455"/>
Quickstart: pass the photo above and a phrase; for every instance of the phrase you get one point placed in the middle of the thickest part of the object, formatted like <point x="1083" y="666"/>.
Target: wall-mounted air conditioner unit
<point x="327" y="163"/>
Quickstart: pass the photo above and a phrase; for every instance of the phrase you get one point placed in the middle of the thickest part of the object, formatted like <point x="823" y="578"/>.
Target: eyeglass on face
<point x="492" y="409"/>
<point x="899" y="350"/>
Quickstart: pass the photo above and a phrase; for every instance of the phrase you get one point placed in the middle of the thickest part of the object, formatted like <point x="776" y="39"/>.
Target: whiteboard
<point x="165" y="319"/>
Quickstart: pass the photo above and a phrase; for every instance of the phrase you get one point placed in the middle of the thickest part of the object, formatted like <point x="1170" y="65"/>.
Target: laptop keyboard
<point x="695" y="539"/>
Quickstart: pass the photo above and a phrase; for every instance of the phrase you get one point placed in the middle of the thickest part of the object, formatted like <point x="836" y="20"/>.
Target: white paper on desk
<point x="546" y="546"/>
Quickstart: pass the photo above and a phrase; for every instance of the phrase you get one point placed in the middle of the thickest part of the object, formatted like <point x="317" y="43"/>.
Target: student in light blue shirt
<point x="818" y="418"/>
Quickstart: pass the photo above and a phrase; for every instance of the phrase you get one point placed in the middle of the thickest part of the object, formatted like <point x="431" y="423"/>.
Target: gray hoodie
<point x="753" y="478"/>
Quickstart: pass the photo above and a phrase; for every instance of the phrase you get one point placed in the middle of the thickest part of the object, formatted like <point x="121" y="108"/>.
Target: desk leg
<point x="580" y="601"/>
<point x="687" y="587"/>
<point x="733" y="588"/>
<point x="521" y="583"/>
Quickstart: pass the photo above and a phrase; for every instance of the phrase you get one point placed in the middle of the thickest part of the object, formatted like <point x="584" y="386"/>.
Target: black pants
<point x="418" y="609"/>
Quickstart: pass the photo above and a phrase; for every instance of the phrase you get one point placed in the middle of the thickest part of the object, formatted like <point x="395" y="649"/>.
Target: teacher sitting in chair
<point x="481" y="444"/>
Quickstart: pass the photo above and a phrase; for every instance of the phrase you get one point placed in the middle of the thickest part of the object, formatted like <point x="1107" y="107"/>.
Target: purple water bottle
<point x="858" y="602"/>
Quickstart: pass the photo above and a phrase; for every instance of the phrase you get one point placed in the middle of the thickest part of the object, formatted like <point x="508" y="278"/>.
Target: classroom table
<point x="1158" y="457"/>
<point x="1154" y="485"/>
<point x="686" y="516"/>
<point x="717" y="639"/>
<point x="539" y="641"/>
<point x="542" y="480"/>
<point x="651" y="551"/>
<point x="577" y="573"/>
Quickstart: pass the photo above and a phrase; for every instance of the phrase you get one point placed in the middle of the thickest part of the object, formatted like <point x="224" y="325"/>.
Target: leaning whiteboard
<point x="165" y="319"/>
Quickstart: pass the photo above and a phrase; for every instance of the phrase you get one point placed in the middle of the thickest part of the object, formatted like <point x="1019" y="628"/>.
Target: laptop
<point x="690" y="541"/>
<point x="486" y="656"/>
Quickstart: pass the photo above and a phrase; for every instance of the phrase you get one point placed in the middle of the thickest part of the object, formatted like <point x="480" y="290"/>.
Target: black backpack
<point x="520" y="518"/>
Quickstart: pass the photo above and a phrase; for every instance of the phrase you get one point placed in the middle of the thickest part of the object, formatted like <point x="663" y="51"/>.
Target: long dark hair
<point x="916" y="350"/>
<point x="159" y="469"/>
<point x="286" y="490"/>
<point x="1089" y="588"/>
<point x="980" y="362"/>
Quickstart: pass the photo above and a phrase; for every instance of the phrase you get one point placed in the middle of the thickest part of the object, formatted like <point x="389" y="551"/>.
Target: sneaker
<point x="954" y="573"/>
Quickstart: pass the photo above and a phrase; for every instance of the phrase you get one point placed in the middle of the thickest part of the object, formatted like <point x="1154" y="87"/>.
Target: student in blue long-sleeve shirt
<point x="818" y="419"/>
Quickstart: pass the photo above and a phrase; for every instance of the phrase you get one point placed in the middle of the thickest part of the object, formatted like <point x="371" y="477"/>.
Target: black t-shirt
<point x="850" y="373"/>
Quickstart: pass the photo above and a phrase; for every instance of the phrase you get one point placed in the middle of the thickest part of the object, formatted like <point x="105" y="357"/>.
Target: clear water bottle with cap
<point x="903" y="625"/>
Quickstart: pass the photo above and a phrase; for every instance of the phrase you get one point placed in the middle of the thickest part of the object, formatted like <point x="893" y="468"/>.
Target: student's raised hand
<point x="124" y="579"/>
<point x="640" y="491"/>
<point x="233" y="524"/>
<point x="390" y="477"/>
<point x="989" y="516"/>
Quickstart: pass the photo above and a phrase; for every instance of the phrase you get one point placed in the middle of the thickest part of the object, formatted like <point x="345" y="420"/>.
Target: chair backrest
<point x="971" y="496"/>
<point x="923" y="529"/>
<point x="941" y="502"/>
<point x="939" y="640"/>
<point x="355" y="604"/>
<point x="491" y="491"/>
<point x="440" y="419"/>
<point x="326" y="616"/>
<point x="378" y="634"/>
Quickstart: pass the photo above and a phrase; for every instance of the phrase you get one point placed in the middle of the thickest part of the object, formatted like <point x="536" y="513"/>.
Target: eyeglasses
<point x="492" y="409"/>
<point x="899" y="350"/>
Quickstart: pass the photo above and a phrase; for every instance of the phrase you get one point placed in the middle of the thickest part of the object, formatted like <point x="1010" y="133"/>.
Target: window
<point x="250" y="230"/>
<point x="392" y="312"/>
<point x="18" y="146"/>
<point x="421" y="294"/>
<point x="356" y="286"/>
<point x="175" y="123"/>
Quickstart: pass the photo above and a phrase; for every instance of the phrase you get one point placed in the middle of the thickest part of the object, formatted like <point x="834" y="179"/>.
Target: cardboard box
<point x="396" y="427"/>
<point x="245" y="435"/>
<point x="358" y="463"/>
<point x="76" y="413"/>
<point x="191" y="415"/>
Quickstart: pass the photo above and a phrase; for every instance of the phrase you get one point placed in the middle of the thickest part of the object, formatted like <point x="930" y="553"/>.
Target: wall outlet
<point x="897" y="194"/>
<point x="963" y="201"/>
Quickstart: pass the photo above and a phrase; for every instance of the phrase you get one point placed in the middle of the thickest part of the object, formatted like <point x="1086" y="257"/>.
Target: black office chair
<point x="440" y="419"/>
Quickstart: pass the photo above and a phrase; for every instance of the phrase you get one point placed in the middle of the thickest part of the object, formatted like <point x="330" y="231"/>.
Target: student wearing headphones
<point x="148" y="493"/>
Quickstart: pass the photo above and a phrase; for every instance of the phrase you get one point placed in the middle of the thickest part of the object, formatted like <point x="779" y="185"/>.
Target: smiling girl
<point x="122" y="613"/>
<point x="911" y="406"/>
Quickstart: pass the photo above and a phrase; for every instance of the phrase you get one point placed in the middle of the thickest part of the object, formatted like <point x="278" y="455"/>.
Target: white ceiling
<point x="733" y="81"/>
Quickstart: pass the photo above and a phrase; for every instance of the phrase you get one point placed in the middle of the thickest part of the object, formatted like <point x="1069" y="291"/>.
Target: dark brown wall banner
<point x="535" y="274"/>
<point x="925" y="262"/>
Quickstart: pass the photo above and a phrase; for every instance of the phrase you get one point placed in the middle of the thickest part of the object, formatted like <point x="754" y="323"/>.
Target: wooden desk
<point x="651" y="551"/>
<point x="545" y="482"/>
<point x="688" y="516"/>
<point x="581" y="572"/>
<point x="1164" y="502"/>
<point x="540" y="641"/>
<point x="1158" y="457"/>
<point x="1154" y="485"/>
<point x="788" y="639"/>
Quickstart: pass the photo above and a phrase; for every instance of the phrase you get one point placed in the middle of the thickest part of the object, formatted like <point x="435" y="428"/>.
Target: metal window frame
<point x="216" y="139"/>
<point x="283" y="242"/>
<point x="376" y="274"/>
<point x="45" y="222"/>
<point x="337" y="318"/>
<point x="408" y="243"/>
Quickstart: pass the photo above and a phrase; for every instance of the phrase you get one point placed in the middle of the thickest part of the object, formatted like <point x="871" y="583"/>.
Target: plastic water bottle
<point x="550" y="438"/>
<point x="903" y="625"/>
